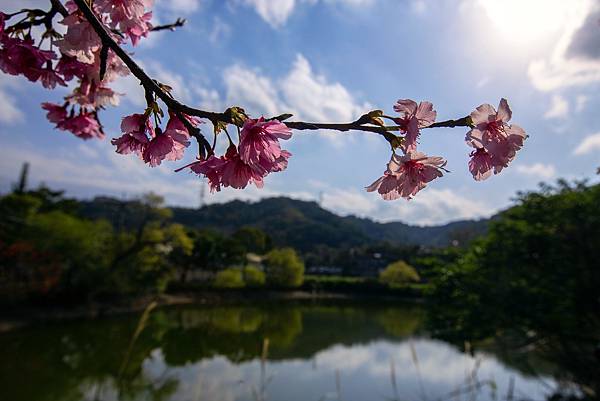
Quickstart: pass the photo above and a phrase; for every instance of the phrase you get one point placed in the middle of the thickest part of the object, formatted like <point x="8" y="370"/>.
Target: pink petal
<point x="504" y="112"/>
<point x="483" y="114"/>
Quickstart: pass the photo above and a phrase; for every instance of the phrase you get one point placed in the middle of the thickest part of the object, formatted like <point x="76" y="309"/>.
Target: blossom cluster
<point x="259" y="153"/>
<point x="495" y="144"/>
<point x="153" y="145"/>
<point x="79" y="56"/>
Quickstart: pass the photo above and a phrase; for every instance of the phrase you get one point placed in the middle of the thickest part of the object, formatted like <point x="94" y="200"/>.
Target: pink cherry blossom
<point x="3" y="18"/>
<point x="135" y="128"/>
<point x="22" y="57"/>
<point x="237" y="174"/>
<point x="83" y="125"/>
<point x="406" y="175"/>
<point x="49" y="79"/>
<point x="129" y="15"/>
<point x="492" y="133"/>
<point x="412" y="118"/>
<point x="211" y="168"/>
<point x="56" y="113"/>
<point x="80" y="40"/>
<point x="177" y="130"/>
<point x="259" y="144"/>
<point x="158" y="149"/>
<point x="137" y="28"/>
<point x="69" y="68"/>
<point x="481" y="164"/>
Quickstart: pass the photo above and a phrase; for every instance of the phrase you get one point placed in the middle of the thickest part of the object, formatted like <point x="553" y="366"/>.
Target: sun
<point x="525" y="21"/>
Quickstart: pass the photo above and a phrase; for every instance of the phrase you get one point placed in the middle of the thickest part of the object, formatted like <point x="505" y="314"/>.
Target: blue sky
<point x="331" y="60"/>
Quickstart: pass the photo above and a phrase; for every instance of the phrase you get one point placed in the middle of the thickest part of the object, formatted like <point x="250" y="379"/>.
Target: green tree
<point x="229" y="278"/>
<point x="399" y="273"/>
<point x="284" y="268"/>
<point x="536" y="276"/>
<point x="253" y="276"/>
<point x="252" y="239"/>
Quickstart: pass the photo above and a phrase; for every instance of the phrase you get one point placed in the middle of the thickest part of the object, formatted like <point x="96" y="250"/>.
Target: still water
<point x="286" y="352"/>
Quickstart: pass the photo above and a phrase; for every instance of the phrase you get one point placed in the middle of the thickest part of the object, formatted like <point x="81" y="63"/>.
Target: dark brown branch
<point x="228" y="117"/>
<point x="58" y="6"/>
<point x="171" y="27"/>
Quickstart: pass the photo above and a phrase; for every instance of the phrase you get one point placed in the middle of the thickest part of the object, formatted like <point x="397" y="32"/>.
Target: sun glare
<point x="524" y="21"/>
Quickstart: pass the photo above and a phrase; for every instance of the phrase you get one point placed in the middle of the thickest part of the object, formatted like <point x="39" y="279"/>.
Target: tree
<point x="253" y="276"/>
<point x="91" y="51"/>
<point x="398" y="274"/>
<point x="284" y="268"/>
<point x="229" y="278"/>
<point x="534" y="277"/>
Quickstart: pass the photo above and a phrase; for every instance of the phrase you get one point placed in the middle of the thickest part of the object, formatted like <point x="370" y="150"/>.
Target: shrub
<point x="229" y="278"/>
<point x="253" y="276"/>
<point x="399" y="273"/>
<point x="284" y="268"/>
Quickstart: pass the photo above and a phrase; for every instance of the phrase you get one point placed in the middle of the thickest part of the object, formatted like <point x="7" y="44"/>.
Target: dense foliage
<point x="533" y="281"/>
<point x="398" y="274"/>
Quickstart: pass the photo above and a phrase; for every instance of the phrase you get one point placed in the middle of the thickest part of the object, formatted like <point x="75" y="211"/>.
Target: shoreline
<point x="17" y="317"/>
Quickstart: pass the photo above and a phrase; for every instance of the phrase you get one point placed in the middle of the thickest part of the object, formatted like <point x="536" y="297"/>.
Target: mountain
<point x="305" y="224"/>
<point x="301" y="224"/>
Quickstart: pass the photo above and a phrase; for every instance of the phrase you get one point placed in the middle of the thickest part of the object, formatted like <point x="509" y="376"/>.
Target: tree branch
<point x="171" y="27"/>
<point x="227" y="117"/>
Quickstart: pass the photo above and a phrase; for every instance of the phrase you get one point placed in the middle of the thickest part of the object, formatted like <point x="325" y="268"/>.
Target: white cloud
<point x="590" y="143"/>
<point x="537" y="170"/>
<point x="431" y="206"/>
<point x="220" y="31"/>
<point x="575" y="59"/>
<point x="434" y="206"/>
<point x="301" y="91"/>
<point x="276" y="13"/>
<point x="247" y="88"/>
<point x="312" y="97"/>
<point x="10" y="113"/>
<point x="559" y="108"/>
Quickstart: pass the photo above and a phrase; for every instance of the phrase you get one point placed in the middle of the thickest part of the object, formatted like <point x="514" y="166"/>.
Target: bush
<point x="284" y="268"/>
<point x="229" y="278"/>
<point x="253" y="276"/>
<point x="399" y="273"/>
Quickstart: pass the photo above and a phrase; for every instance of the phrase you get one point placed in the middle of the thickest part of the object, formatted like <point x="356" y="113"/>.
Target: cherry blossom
<point x="259" y="144"/>
<point x="412" y="118"/>
<point x="211" y="168"/>
<point x="56" y="113"/>
<point x="84" y="126"/>
<point x="492" y="133"/>
<point x="22" y="57"/>
<point x="406" y="175"/>
<point x="134" y="139"/>
<point x="237" y="174"/>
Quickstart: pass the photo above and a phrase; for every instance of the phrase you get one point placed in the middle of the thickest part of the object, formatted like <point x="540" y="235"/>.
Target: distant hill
<point x="301" y="224"/>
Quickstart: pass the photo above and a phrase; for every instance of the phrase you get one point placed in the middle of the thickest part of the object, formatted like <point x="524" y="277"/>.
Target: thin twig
<point x="171" y="27"/>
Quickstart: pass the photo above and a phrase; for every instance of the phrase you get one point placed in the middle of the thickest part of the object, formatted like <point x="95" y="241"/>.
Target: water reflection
<point x="315" y="352"/>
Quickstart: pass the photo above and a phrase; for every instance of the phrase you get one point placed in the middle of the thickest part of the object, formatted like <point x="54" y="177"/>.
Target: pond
<point x="286" y="352"/>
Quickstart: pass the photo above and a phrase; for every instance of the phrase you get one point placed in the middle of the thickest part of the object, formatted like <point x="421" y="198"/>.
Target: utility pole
<point x="21" y="186"/>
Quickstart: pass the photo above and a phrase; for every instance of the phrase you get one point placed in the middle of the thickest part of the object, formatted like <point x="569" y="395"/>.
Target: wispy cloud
<point x="589" y="144"/>
<point x="302" y="92"/>
<point x="276" y="13"/>
<point x="559" y="108"/>
<point x="576" y="58"/>
<point x="10" y="113"/>
<point x="537" y="170"/>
